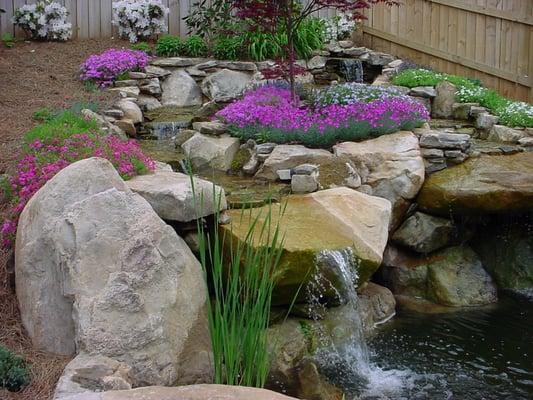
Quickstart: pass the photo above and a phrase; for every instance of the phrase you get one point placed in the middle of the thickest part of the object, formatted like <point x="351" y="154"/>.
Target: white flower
<point x="134" y="20"/>
<point x="44" y="19"/>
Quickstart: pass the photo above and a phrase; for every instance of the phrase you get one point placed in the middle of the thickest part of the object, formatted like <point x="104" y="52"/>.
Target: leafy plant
<point x="142" y="46"/>
<point x="211" y="18"/>
<point x="8" y="40"/>
<point x="228" y="47"/>
<point x="263" y="45"/>
<point x="44" y="114"/>
<point x="59" y="126"/>
<point x="195" y="46"/>
<point x="139" y="19"/>
<point x="14" y="371"/>
<point x="424" y="77"/>
<point x="309" y="36"/>
<point x="169" y="46"/>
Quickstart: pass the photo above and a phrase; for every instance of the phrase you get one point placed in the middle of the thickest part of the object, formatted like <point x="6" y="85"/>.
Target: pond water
<point x="479" y="354"/>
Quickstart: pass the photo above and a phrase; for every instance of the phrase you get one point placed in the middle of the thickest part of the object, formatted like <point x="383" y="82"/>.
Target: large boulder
<point x="451" y="277"/>
<point x="181" y="90"/>
<point x="131" y="111"/>
<point x="321" y="230"/>
<point x="486" y="184"/>
<point x="98" y="271"/>
<point x="211" y="152"/>
<point x="391" y="165"/>
<point x="288" y="156"/>
<point x="424" y="233"/>
<point x="225" y="85"/>
<point x="173" y="197"/>
<point x="505" y="245"/>
<point x="193" y="392"/>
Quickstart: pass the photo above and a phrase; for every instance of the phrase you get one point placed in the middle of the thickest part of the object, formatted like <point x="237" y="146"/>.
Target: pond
<point x="478" y="354"/>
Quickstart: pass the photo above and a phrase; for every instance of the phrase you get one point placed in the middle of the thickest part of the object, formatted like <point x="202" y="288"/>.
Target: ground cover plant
<point x="105" y="68"/>
<point x="511" y="113"/>
<point x="52" y="146"/>
<point x="271" y="114"/>
<point x="14" y="371"/>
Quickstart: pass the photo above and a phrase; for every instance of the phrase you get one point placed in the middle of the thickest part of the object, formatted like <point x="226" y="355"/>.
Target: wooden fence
<point x="491" y="40"/>
<point x="92" y="18"/>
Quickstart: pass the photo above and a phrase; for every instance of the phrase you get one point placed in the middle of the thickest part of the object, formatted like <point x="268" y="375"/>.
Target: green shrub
<point x="228" y="47"/>
<point x="14" y="371"/>
<point x="195" y="46"/>
<point x="169" y="46"/>
<point x="44" y="114"/>
<point x="142" y="46"/>
<point x="423" y="77"/>
<point x="8" y="40"/>
<point x="309" y="36"/>
<point x="208" y="18"/>
<point x="61" y="126"/>
<point x="261" y="46"/>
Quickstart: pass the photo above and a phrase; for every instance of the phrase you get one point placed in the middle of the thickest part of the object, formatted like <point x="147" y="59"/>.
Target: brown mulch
<point x="33" y="76"/>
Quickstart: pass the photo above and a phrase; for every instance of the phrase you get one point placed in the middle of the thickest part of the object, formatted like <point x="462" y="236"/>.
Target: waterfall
<point x="166" y="130"/>
<point x="343" y="353"/>
<point x="352" y="70"/>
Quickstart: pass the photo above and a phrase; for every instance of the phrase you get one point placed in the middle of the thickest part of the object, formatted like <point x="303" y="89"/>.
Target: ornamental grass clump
<point x="270" y="114"/>
<point x="44" y="155"/>
<point x="103" y="69"/>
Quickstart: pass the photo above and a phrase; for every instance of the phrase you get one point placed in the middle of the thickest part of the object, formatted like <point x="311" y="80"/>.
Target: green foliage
<point x="242" y="285"/>
<point x="209" y="18"/>
<point x="6" y="191"/>
<point x="60" y="126"/>
<point x="44" y="114"/>
<point x="228" y="47"/>
<point x="169" y="46"/>
<point x="142" y="46"/>
<point x="309" y="36"/>
<point x="264" y="45"/>
<point x="423" y="77"/>
<point x="195" y="46"/>
<point x="14" y="372"/>
<point x="8" y="40"/>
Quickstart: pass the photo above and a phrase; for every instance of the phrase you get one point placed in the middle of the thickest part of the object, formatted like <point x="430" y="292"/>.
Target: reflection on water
<point x="480" y="354"/>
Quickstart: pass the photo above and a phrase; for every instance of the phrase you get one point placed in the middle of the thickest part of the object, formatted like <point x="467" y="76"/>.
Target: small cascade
<point x="352" y="70"/>
<point x="343" y="353"/>
<point x="166" y="130"/>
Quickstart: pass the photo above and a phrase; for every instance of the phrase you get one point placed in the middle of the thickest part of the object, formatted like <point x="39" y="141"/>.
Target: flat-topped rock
<point x="210" y="151"/>
<point x="176" y="62"/>
<point x="319" y="228"/>
<point x="486" y="184"/>
<point x="444" y="140"/>
<point x="171" y="195"/>
<point x="225" y="85"/>
<point x="288" y="156"/>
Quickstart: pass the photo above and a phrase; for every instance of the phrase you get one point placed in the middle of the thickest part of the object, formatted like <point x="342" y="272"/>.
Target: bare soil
<point x="33" y="76"/>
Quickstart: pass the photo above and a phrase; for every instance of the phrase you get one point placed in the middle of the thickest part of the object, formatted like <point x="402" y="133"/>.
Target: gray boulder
<point x="181" y="90"/>
<point x="171" y="195"/>
<point x="211" y="152"/>
<point x="423" y="91"/>
<point x="504" y="134"/>
<point x="225" y="85"/>
<point x="424" y="233"/>
<point x="97" y="271"/>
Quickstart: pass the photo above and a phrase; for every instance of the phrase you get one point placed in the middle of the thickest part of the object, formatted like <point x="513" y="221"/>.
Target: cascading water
<point x="352" y="70"/>
<point x="343" y="353"/>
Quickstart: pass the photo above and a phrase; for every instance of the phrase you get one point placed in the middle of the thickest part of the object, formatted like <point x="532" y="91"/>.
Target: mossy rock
<point x="325" y="221"/>
<point x="240" y="159"/>
<point x="482" y="185"/>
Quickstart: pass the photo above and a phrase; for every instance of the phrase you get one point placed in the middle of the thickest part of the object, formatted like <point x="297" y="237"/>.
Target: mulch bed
<point x="33" y="76"/>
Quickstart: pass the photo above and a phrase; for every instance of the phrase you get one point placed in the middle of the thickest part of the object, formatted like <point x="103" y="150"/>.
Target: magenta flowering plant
<point x="269" y="114"/>
<point x="43" y="159"/>
<point x="103" y="69"/>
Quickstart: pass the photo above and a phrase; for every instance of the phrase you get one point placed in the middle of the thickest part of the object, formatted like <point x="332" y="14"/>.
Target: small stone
<point x="305" y="169"/>
<point x="251" y="166"/>
<point x="131" y="111"/>
<point x="126" y="83"/>
<point x="148" y="103"/>
<point x="153" y="71"/>
<point x="526" y="141"/>
<point x="345" y="44"/>
<point x="453" y="153"/>
<point x="462" y="110"/>
<point x="151" y="87"/>
<point x="366" y="189"/>
<point x="238" y="65"/>
<point x="475" y="110"/>
<point x="423" y="91"/>
<point x="486" y="121"/>
<point x="183" y="135"/>
<point x="434" y="164"/>
<point x="137" y="75"/>
<point x="316" y="62"/>
<point x="130" y="91"/>
<point x="424" y="233"/>
<point x="224" y="218"/>
<point x="176" y="62"/>
<point x="528" y="131"/>
<point x="196" y="73"/>
<point x="284" y="174"/>
<point x="395" y="64"/>
<point x="127" y="126"/>
<point x="444" y="100"/>
<point x="207" y="65"/>
<point x="377" y="58"/>
<point x="210" y="128"/>
<point x="441" y="140"/>
<point x="304" y="183"/>
<point x="265" y="148"/>
<point x="431" y="153"/>
<point x="356" y="51"/>
<point x="115" y="113"/>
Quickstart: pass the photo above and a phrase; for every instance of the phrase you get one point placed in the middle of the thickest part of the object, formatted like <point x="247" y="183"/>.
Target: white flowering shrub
<point x="139" y="19"/>
<point x="44" y="20"/>
<point x="339" y="27"/>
